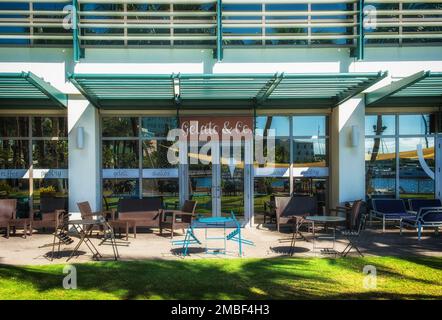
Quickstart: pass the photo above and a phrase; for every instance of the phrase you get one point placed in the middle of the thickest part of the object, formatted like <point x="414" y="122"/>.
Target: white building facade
<point x="356" y="111"/>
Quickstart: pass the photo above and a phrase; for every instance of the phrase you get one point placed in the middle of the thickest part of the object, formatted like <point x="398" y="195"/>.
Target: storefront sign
<point x="120" y="173"/>
<point x="36" y="173"/>
<point x="50" y="173"/>
<point x="297" y="172"/>
<point x="135" y="173"/>
<point x="14" y="174"/>
<point x="160" y="173"/>
<point x="272" y="172"/>
<point x="204" y="125"/>
<point x="311" y="172"/>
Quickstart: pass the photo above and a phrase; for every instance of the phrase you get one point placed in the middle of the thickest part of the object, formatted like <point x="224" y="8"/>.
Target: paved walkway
<point x="150" y="245"/>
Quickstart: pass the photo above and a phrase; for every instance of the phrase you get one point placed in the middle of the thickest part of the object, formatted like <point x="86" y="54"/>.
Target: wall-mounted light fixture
<point x="354" y="139"/>
<point x="80" y="137"/>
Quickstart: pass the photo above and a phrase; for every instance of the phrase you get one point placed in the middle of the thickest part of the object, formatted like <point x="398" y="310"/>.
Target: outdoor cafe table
<point x="224" y="223"/>
<point x="83" y="228"/>
<point x="326" y="220"/>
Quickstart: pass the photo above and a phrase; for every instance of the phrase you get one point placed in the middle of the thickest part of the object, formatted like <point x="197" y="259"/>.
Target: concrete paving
<point x="36" y="250"/>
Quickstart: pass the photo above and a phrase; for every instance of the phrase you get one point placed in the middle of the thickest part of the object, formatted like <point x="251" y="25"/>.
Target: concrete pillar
<point x="347" y="162"/>
<point x="84" y="164"/>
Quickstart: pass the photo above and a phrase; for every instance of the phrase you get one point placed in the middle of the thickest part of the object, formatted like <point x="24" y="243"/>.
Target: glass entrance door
<point x="200" y="180"/>
<point x="218" y="171"/>
<point x="232" y="181"/>
<point x="221" y="181"/>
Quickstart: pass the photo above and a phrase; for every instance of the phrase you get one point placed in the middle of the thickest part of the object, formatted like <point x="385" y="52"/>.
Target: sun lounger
<point x="425" y="218"/>
<point x="389" y="210"/>
<point x="416" y="204"/>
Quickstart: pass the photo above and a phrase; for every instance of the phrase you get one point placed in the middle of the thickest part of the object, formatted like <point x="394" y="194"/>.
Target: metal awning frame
<point x="53" y="97"/>
<point x="413" y="90"/>
<point x="223" y="90"/>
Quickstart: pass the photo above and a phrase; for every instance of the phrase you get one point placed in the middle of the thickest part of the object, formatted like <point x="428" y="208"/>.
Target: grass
<point x="279" y="278"/>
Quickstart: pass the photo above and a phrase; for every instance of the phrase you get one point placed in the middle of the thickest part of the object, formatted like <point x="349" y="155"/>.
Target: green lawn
<point x="279" y="278"/>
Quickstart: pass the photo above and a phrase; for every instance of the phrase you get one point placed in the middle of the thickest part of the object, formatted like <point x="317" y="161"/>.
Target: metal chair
<point x="61" y="232"/>
<point x="353" y="235"/>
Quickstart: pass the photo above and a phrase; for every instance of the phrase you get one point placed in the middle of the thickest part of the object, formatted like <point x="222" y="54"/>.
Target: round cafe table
<point x="326" y="220"/>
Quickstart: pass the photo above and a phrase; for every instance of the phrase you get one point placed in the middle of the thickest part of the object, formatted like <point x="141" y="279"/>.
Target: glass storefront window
<point x="380" y="125"/>
<point x="120" y="127"/>
<point x="165" y="188"/>
<point x="17" y="189"/>
<point x="28" y="145"/>
<point x="155" y="154"/>
<point x="310" y="152"/>
<point x="152" y="127"/>
<point x="312" y="187"/>
<point x="282" y="152"/>
<point x="414" y="181"/>
<point x="120" y="154"/>
<point x="313" y="126"/>
<point x="380" y="166"/>
<point x="266" y="186"/>
<point x="49" y="154"/>
<point x="14" y="188"/>
<point x="411" y="146"/>
<point x="14" y="127"/>
<point x="416" y="124"/>
<point x="49" y="188"/>
<point x="264" y="189"/>
<point x="137" y="147"/>
<point x="14" y="154"/>
<point x="280" y="124"/>
<point x="304" y="146"/>
<point x="49" y="127"/>
<point x="115" y="189"/>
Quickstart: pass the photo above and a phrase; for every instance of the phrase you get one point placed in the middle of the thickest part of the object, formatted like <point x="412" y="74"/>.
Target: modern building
<point x="90" y="89"/>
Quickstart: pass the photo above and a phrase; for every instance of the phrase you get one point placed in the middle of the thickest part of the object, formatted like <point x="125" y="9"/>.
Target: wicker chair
<point x="46" y="216"/>
<point x="178" y="219"/>
<point x="8" y="219"/>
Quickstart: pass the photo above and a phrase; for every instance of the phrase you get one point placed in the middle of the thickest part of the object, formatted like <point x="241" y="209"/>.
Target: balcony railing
<point x="128" y="24"/>
<point x="204" y="23"/>
<point x="38" y="23"/>
<point x="295" y="23"/>
<point x="405" y="22"/>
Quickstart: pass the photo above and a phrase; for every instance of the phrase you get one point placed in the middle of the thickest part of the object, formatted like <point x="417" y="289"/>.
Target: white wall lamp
<point x="80" y="138"/>
<point x="354" y="139"/>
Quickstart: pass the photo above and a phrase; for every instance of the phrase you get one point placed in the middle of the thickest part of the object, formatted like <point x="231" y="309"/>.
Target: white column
<point x="84" y="164"/>
<point x="347" y="178"/>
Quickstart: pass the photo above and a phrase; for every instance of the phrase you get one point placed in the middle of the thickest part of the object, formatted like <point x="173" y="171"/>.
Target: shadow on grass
<point x="190" y="279"/>
<point x="279" y="278"/>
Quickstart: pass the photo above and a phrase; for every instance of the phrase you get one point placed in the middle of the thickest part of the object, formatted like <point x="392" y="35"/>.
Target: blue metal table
<point x="214" y="223"/>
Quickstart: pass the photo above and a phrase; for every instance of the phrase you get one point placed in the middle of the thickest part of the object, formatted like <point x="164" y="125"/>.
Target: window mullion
<point x="31" y="169"/>
<point x="397" y="192"/>
<point x="140" y="159"/>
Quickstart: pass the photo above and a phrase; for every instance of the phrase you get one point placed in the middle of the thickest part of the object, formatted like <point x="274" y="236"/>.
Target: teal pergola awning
<point x="423" y="88"/>
<point x="27" y="91"/>
<point x="117" y="91"/>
